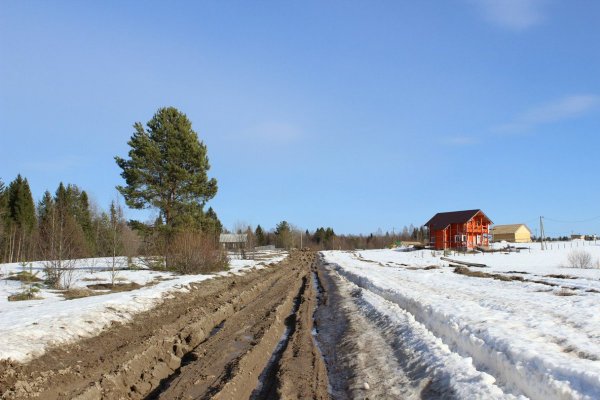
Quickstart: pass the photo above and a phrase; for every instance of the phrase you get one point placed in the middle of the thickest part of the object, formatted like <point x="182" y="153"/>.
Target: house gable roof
<point x="444" y="219"/>
<point x="512" y="228"/>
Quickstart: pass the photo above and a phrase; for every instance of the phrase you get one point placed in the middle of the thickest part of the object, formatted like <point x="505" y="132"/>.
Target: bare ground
<point x="233" y="337"/>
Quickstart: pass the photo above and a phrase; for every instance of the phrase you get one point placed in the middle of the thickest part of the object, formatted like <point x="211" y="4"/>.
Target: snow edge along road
<point x="526" y="374"/>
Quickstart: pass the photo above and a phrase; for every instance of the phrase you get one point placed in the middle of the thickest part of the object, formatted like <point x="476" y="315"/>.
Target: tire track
<point x="219" y="340"/>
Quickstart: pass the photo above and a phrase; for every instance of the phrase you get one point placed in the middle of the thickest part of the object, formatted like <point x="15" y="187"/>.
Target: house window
<point x="460" y="238"/>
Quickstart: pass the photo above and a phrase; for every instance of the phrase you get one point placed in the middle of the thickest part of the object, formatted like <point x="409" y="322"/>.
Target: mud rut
<point x="228" y="338"/>
<point x="288" y="331"/>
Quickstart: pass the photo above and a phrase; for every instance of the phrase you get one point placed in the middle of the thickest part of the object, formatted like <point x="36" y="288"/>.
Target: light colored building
<point x="577" y="236"/>
<point x="233" y="241"/>
<point x="515" y="233"/>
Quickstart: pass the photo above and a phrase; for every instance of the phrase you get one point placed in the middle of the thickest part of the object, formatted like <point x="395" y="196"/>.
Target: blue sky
<point x="352" y="114"/>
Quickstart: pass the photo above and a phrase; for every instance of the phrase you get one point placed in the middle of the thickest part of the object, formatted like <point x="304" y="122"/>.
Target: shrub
<point x="77" y="293"/>
<point x="196" y="253"/>
<point x="28" y="293"/>
<point x="25" y="276"/>
<point x="580" y="259"/>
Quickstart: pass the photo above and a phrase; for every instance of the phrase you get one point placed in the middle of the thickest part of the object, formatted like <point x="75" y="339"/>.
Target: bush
<point x="196" y="253"/>
<point x="25" y="276"/>
<point x="580" y="259"/>
<point x="28" y="293"/>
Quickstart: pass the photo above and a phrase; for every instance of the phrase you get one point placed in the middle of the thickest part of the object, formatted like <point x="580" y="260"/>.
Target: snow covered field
<point x="28" y="327"/>
<point x="538" y="337"/>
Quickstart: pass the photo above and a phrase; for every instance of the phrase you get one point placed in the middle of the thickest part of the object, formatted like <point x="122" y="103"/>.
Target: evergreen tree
<point x="73" y="203"/>
<point x="21" y="208"/>
<point x="2" y="198"/>
<point x="210" y="222"/>
<point x="323" y="237"/>
<point x="19" y="220"/>
<point x="260" y="236"/>
<point x="283" y="232"/>
<point x="103" y="234"/>
<point x="167" y="169"/>
<point x="3" y="202"/>
<point x="45" y="208"/>
<point x="85" y="218"/>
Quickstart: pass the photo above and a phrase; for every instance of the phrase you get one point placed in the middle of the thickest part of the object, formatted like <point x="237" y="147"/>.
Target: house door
<point x="478" y="240"/>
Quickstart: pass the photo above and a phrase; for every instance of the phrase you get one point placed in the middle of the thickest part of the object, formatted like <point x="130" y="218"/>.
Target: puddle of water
<point x="215" y="330"/>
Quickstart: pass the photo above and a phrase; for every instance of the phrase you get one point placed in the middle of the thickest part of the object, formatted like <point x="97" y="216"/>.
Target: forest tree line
<point x="67" y="224"/>
<point x="63" y="224"/>
<point x="287" y="236"/>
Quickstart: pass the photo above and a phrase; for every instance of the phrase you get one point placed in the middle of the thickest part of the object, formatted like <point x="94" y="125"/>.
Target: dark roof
<point x="442" y="220"/>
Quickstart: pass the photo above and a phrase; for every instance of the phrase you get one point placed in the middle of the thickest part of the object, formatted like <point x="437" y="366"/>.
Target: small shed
<point x="515" y="233"/>
<point x="233" y="241"/>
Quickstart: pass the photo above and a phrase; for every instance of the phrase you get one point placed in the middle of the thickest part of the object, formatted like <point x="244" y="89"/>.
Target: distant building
<point x="233" y="241"/>
<point x="459" y="230"/>
<point x="515" y="233"/>
<point x="577" y="236"/>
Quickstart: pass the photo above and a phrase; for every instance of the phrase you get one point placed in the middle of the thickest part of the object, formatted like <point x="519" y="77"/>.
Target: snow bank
<point x="532" y="341"/>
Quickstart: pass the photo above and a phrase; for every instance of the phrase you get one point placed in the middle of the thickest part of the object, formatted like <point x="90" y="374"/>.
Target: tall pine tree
<point x="74" y="203"/>
<point x="21" y="208"/>
<point x="260" y="236"/>
<point x="167" y="169"/>
<point x="283" y="232"/>
<point x="20" y="220"/>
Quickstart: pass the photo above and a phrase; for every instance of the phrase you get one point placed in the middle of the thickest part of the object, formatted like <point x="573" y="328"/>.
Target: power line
<point x="572" y="222"/>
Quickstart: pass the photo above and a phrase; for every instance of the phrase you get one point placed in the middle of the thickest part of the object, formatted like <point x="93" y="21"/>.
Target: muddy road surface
<point x="293" y="330"/>
<point x="234" y="337"/>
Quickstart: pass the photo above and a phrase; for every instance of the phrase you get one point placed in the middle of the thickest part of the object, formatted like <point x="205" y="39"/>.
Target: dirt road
<point x="295" y="330"/>
<point x="363" y="352"/>
<point x="234" y="337"/>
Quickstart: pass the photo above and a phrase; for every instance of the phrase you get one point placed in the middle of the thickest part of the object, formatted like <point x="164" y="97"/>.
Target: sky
<point x="359" y="115"/>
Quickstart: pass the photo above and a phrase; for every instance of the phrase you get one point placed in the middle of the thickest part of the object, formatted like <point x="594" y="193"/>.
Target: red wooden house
<point x="459" y="230"/>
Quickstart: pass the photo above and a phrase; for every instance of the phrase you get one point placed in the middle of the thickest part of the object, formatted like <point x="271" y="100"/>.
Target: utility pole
<point x="542" y="235"/>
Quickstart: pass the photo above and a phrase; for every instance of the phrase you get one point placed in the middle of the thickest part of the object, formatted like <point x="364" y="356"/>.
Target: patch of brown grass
<point x="24" y="276"/>
<point x="478" y="274"/>
<point x="23" y="296"/>
<point x="565" y="292"/>
<point x="93" y="280"/>
<point x="560" y="276"/>
<point x="78" y="293"/>
<point x="117" y="287"/>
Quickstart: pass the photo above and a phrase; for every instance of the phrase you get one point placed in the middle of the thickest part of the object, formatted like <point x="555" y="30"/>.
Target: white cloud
<point x="568" y="107"/>
<point x="516" y="15"/>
